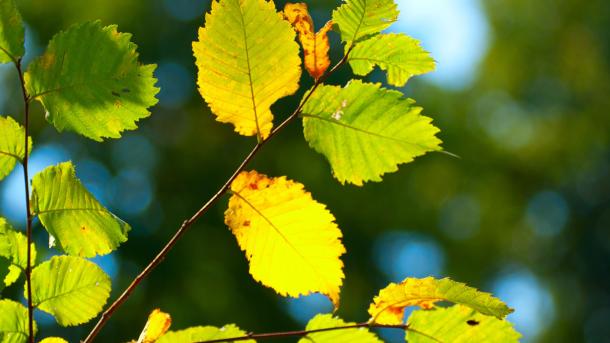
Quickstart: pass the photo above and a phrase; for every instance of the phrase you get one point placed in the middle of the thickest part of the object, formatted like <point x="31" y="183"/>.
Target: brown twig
<point x="24" y="162"/>
<point x="301" y="333"/>
<point x="188" y="223"/>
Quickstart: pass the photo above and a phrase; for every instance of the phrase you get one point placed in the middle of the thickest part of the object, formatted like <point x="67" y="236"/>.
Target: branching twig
<point x="28" y="268"/>
<point x="188" y="223"/>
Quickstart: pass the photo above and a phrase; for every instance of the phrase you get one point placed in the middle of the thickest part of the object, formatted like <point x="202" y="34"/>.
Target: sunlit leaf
<point x="247" y="60"/>
<point x="366" y="131"/>
<point x="90" y="81"/>
<point x="12" y="32"/>
<point x="13" y="322"/>
<point x="14" y="247"/>
<point x="458" y="324"/>
<point x="358" y="19"/>
<point x="53" y="340"/>
<point x="291" y="241"/>
<point x="315" y="45"/>
<point x="72" y="289"/>
<point x="388" y="307"/>
<point x="203" y="333"/>
<point x="157" y="325"/>
<point x="79" y="223"/>
<point x="12" y="145"/>
<point x="398" y="54"/>
<point x="324" y="321"/>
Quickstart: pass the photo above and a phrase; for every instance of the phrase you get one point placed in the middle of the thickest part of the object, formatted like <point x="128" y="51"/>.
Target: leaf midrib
<point x="380" y="61"/>
<point x="9" y="54"/>
<point x="72" y="209"/>
<point x="18" y="158"/>
<point x="360" y="23"/>
<point x="332" y="121"/>
<point x="279" y="232"/>
<point x="243" y="25"/>
<point x="69" y="292"/>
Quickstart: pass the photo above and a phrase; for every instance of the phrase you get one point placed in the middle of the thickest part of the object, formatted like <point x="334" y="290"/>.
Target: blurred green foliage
<point x="532" y="132"/>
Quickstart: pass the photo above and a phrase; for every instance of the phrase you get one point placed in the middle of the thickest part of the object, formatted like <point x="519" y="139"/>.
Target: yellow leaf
<point x="291" y="241"/>
<point x="388" y="307"/>
<point x="315" y="45"/>
<point x="247" y="59"/>
<point x="157" y="325"/>
<point x="53" y="340"/>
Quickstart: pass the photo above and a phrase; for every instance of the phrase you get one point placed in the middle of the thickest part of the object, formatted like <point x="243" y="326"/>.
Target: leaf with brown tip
<point x="315" y="45"/>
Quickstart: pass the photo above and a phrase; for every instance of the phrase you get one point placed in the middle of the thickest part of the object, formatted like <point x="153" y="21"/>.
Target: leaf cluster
<point x="89" y="80"/>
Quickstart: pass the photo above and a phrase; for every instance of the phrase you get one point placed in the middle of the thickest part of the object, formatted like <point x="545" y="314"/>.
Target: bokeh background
<point x="521" y="94"/>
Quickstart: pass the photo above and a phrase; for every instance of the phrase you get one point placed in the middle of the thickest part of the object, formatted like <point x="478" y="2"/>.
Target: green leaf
<point x="389" y="305"/>
<point x="13" y="246"/>
<point x="203" y="333"/>
<point x="12" y="145"/>
<point x="398" y="54"/>
<point x="89" y="80"/>
<point x="458" y="324"/>
<point x="366" y="131"/>
<point x="358" y="19"/>
<point x="80" y="224"/>
<point x="247" y="59"/>
<point x="13" y="322"/>
<point x="72" y="289"/>
<point x="324" y="321"/>
<point x="12" y="33"/>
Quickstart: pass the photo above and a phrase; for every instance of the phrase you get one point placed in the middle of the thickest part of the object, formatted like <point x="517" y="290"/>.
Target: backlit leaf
<point x="291" y="241"/>
<point x="358" y="19"/>
<point x="13" y="246"/>
<point x="72" y="289"/>
<point x="458" y="324"/>
<point x="157" y="325"/>
<point x="315" y="45"/>
<point x="12" y="32"/>
<point x="247" y="60"/>
<point x="13" y="322"/>
<point x="12" y="145"/>
<point x="366" y="131"/>
<point x="323" y="321"/>
<point x="388" y="307"/>
<point x="90" y="81"/>
<point x="79" y="223"/>
<point x="203" y="333"/>
<point x="53" y="340"/>
<point x="399" y="55"/>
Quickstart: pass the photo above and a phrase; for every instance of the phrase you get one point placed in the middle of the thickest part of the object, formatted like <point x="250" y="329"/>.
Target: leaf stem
<point x="186" y="225"/>
<point x="29" y="216"/>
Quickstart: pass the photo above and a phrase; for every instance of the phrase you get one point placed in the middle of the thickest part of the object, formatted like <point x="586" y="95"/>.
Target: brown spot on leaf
<point x="472" y="322"/>
<point x="246" y="223"/>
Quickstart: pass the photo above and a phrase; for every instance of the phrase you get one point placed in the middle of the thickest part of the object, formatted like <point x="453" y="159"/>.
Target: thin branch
<point x="28" y="268"/>
<point x="186" y="225"/>
<point x="301" y="333"/>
